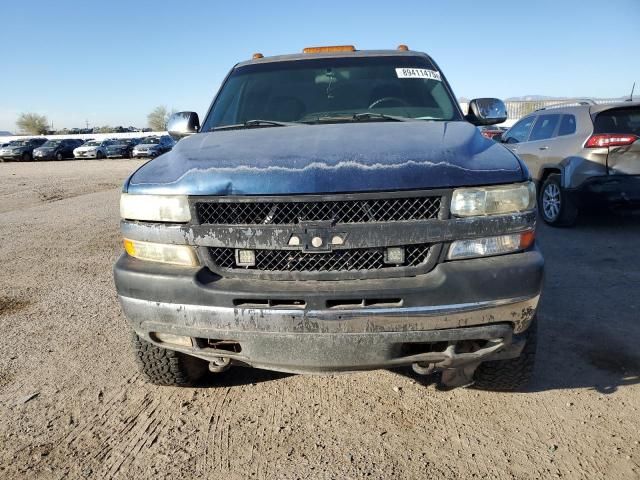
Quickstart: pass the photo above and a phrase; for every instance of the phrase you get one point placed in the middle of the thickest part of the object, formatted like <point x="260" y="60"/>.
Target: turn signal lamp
<point x="403" y="48"/>
<point x="164" y="253"/>
<point x="332" y="48"/>
<point x="485" y="247"/>
<point x="256" y="56"/>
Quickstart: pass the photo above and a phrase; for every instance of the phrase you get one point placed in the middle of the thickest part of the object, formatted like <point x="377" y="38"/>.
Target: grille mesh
<point x="343" y="211"/>
<point x="336" y="261"/>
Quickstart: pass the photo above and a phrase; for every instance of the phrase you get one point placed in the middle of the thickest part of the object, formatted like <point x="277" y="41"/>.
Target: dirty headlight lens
<point x="158" y="252"/>
<point x="155" y="208"/>
<point x="468" y="202"/>
<point x="484" y="247"/>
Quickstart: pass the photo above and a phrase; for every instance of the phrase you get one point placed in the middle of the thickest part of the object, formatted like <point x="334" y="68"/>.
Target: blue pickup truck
<point x="335" y="211"/>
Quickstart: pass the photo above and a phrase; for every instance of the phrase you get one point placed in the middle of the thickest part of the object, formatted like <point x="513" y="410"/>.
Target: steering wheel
<point x="399" y="101"/>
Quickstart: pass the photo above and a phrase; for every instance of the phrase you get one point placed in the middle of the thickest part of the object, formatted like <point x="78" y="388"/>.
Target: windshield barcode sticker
<point x="418" y="73"/>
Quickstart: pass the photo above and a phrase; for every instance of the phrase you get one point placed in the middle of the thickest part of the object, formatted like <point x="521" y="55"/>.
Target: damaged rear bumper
<point x="485" y="302"/>
<point x="611" y="190"/>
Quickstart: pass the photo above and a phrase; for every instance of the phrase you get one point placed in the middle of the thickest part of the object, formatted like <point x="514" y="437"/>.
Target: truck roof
<point x="343" y="54"/>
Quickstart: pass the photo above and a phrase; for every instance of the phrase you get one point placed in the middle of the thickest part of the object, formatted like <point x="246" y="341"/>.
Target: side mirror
<point x="183" y="124"/>
<point x="486" y="111"/>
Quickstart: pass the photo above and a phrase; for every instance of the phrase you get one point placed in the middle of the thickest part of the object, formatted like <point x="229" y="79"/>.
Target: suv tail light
<point x="610" y="140"/>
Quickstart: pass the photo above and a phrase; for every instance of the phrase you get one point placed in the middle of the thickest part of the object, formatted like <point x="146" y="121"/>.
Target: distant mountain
<point x="532" y="98"/>
<point x="540" y="98"/>
<point x="4" y="133"/>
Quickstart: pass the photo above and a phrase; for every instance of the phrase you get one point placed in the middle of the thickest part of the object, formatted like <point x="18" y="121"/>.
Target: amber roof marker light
<point x="256" y="56"/>
<point x="403" y="48"/>
<point x="328" y="49"/>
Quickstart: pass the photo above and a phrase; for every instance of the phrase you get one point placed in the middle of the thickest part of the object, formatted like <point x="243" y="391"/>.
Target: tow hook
<point x="458" y="368"/>
<point x="219" y="364"/>
<point x="423" y="368"/>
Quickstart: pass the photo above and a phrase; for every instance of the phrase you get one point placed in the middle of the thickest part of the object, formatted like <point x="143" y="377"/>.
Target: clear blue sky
<point x="112" y="62"/>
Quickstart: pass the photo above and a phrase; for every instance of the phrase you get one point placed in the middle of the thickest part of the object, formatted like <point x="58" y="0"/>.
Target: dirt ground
<point x="73" y="406"/>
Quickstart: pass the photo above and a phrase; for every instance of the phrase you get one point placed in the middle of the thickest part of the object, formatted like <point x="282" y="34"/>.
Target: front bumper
<point x="12" y="156"/>
<point x="138" y="154"/>
<point x="486" y="300"/>
<point x="92" y="154"/>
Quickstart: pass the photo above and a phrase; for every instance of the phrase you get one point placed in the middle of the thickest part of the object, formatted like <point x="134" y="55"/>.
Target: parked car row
<point x="39" y="148"/>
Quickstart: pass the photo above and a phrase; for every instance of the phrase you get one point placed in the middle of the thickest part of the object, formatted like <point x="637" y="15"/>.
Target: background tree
<point x="158" y="118"/>
<point x="32" y="123"/>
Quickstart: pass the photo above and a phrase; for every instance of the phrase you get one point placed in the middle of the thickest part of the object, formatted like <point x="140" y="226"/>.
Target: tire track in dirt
<point x="144" y="426"/>
<point x="103" y="415"/>
<point x="463" y="439"/>
<point x="222" y="425"/>
<point x="207" y="444"/>
<point x="104" y="450"/>
<point x="123" y="428"/>
<point x="267" y="426"/>
<point x="274" y="426"/>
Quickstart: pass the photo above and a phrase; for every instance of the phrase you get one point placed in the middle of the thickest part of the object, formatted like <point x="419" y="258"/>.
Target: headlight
<point x="158" y="252"/>
<point x="519" y="197"/>
<point x="485" y="247"/>
<point x="155" y="208"/>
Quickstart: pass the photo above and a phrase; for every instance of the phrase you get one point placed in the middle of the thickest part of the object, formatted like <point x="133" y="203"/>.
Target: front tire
<point x="556" y="206"/>
<point x="100" y="155"/>
<point x="166" y="367"/>
<point x="26" y="157"/>
<point x="513" y="374"/>
<point x="59" y="156"/>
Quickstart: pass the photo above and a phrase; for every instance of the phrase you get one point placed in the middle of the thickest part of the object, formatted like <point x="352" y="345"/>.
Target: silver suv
<point x="580" y="154"/>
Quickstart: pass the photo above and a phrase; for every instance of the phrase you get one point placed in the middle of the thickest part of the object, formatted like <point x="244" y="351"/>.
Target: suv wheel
<point x="26" y="157"/>
<point x="100" y="155"/>
<point x="557" y="208"/>
<point x="59" y="156"/>
<point x="509" y="375"/>
<point x="166" y="367"/>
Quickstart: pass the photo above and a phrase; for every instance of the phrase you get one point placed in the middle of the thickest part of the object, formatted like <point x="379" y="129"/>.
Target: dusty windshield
<point x="309" y="90"/>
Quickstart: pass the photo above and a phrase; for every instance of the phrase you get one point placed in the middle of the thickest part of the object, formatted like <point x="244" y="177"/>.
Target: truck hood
<point x="333" y="158"/>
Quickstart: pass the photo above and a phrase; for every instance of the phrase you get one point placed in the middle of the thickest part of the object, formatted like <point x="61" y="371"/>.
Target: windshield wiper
<point x="383" y="116"/>
<point x="356" y="117"/>
<point x="255" y="123"/>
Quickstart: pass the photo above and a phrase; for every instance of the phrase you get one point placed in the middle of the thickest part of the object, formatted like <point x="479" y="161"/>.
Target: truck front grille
<point x="266" y="212"/>
<point x="347" y="260"/>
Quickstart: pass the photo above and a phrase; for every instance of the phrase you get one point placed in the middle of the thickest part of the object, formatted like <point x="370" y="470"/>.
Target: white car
<point x="93" y="149"/>
<point x="153" y="146"/>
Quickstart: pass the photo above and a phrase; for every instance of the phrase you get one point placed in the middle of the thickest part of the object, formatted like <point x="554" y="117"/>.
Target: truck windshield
<point x="333" y="89"/>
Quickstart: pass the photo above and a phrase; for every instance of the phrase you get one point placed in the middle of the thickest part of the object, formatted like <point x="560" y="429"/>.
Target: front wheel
<point x="100" y="155"/>
<point x="59" y="156"/>
<point x="509" y="375"/>
<point x="556" y="206"/>
<point x="26" y="157"/>
<point x="167" y="367"/>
